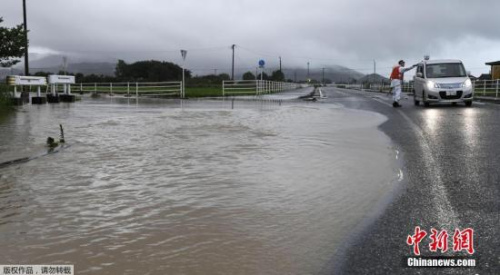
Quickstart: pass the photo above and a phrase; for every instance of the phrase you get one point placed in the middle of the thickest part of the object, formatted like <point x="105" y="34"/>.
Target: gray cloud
<point x="349" y="33"/>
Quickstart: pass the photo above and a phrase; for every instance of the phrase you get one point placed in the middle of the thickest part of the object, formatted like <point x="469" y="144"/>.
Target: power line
<point x="142" y="51"/>
<point x="298" y="57"/>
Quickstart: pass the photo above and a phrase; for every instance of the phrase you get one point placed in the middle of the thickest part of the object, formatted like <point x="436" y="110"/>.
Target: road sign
<point x="61" y="79"/>
<point x="262" y="63"/>
<point x="26" y="80"/>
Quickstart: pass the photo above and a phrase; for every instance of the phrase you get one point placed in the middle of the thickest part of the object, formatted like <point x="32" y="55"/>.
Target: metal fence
<point x="382" y="87"/>
<point x="151" y="89"/>
<point x="487" y="88"/>
<point x="255" y="87"/>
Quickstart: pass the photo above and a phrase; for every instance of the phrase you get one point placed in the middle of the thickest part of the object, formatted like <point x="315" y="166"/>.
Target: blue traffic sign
<point x="262" y="63"/>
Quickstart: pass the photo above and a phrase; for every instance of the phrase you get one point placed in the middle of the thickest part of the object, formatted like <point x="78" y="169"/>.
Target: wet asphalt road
<point x="451" y="165"/>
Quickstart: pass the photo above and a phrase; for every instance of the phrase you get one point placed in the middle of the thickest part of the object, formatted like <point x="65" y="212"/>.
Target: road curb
<point x="487" y="99"/>
<point x="476" y="98"/>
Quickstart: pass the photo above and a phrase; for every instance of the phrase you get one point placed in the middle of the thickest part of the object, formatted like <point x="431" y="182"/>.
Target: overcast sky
<point x="323" y="32"/>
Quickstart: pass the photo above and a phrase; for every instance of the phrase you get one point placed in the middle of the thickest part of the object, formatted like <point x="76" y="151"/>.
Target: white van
<point x="442" y="81"/>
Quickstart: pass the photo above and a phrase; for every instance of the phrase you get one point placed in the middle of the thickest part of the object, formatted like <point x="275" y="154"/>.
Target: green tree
<point x="121" y="69"/>
<point x="224" y="77"/>
<point x="12" y="45"/>
<point x="264" y="76"/>
<point x="278" y="76"/>
<point x="151" y="70"/>
<point x="79" y="77"/>
<point x="42" y="73"/>
<point x="248" y="76"/>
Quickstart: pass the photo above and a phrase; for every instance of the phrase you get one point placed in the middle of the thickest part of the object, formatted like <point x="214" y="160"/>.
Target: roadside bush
<point x="4" y="97"/>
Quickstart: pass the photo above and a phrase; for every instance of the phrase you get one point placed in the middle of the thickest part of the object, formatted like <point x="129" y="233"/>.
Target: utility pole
<point x="308" y="71"/>
<point x="232" y="71"/>
<point x="323" y="79"/>
<point x="280" y="63"/>
<point x="26" y="62"/>
<point x="295" y="76"/>
<point x="65" y="65"/>
<point x="183" y="88"/>
<point x="215" y="71"/>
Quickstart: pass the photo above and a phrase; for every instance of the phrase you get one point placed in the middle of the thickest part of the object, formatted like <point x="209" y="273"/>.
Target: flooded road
<point x="198" y="188"/>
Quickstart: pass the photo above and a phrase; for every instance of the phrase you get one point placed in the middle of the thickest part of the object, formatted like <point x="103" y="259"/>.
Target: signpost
<point x="262" y="64"/>
<point x="66" y="81"/>
<point x="20" y="80"/>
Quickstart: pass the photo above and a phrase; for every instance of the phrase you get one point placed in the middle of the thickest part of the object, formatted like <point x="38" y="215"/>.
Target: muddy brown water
<point x="160" y="187"/>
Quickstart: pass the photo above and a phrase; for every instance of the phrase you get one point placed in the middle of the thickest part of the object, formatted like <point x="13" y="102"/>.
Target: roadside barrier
<point x="256" y="87"/>
<point x="487" y="88"/>
<point x="137" y="89"/>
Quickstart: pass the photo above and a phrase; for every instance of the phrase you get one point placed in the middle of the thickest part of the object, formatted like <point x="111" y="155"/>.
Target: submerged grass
<point x="203" y="91"/>
<point x="191" y="92"/>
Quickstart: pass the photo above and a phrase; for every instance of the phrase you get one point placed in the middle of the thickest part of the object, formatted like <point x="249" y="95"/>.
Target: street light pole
<point x="26" y="61"/>
<point x="183" y="88"/>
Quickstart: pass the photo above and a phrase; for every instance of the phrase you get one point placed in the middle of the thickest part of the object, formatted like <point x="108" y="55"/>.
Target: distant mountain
<point x="55" y="63"/>
<point x="333" y="73"/>
<point x="98" y="68"/>
<point x="374" y="78"/>
<point x="103" y="68"/>
<point x="84" y="65"/>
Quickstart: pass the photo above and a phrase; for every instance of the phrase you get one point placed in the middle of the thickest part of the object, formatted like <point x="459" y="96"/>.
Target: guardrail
<point x="137" y="89"/>
<point x="255" y="87"/>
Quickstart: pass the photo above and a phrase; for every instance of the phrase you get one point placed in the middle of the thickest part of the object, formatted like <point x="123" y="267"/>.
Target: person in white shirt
<point x="397" y="81"/>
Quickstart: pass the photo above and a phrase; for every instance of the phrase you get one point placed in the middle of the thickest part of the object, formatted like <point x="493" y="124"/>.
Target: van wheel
<point x="427" y="104"/>
<point x="468" y="103"/>
<point x="416" y="102"/>
<point x="453" y="104"/>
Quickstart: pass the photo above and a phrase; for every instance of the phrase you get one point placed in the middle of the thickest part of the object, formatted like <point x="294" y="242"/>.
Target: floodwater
<point x="199" y="187"/>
